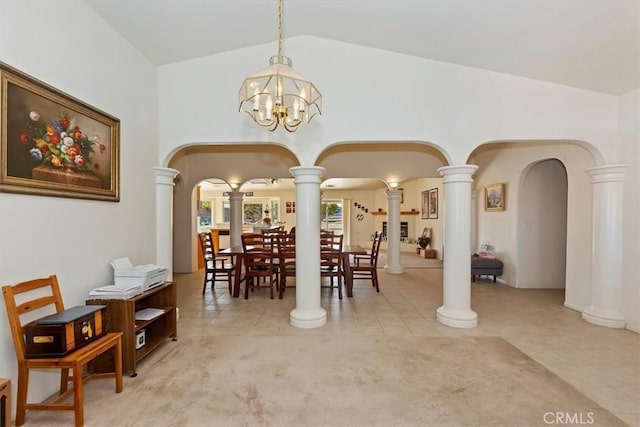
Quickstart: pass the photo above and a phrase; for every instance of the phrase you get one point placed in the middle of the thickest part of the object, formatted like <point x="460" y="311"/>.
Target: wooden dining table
<point x="347" y="251"/>
<point x="237" y="254"/>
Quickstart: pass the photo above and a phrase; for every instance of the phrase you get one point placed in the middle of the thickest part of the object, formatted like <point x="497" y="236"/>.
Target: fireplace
<point x="404" y="229"/>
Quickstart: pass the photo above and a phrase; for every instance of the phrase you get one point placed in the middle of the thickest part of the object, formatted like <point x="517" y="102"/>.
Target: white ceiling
<point x="589" y="44"/>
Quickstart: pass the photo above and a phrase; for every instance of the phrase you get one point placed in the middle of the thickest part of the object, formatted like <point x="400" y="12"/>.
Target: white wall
<point x="452" y="106"/>
<point x="505" y="163"/>
<point x="630" y="154"/>
<point x="66" y="45"/>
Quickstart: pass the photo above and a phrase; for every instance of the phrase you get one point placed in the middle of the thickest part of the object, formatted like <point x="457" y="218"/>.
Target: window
<point x="204" y="211"/>
<point x="252" y="213"/>
<point x="226" y="212"/>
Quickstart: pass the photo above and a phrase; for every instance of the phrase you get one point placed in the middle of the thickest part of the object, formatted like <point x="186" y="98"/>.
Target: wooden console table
<point x="121" y="317"/>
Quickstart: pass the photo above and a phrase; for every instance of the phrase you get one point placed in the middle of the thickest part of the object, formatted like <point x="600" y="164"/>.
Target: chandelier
<point x="278" y="95"/>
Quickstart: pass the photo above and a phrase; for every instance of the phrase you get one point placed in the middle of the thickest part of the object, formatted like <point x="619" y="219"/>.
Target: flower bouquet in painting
<point x="60" y="143"/>
<point x="61" y="151"/>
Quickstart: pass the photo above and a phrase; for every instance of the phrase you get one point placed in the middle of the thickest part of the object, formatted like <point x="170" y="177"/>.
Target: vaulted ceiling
<point x="590" y="44"/>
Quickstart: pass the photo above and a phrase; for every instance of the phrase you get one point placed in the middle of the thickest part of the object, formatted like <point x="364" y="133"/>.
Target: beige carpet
<point x="317" y="380"/>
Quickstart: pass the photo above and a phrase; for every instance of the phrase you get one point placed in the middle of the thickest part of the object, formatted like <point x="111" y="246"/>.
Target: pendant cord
<point x="280" y="28"/>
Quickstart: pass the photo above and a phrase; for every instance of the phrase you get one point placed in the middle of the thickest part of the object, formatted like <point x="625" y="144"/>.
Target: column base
<point x="394" y="269"/>
<point x="308" y="319"/>
<point x="456" y="318"/>
<point x="607" y="318"/>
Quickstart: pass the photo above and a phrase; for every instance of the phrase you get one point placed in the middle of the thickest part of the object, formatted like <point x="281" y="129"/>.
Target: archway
<point x="542" y="226"/>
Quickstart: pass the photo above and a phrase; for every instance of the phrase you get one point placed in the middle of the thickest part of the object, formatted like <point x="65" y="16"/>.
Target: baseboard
<point x="633" y="329"/>
<point x="573" y="307"/>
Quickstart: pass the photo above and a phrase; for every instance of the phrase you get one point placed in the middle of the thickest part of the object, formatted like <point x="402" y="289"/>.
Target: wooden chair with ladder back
<point x="366" y="266"/>
<point x="331" y="260"/>
<point x="74" y="360"/>
<point x="215" y="269"/>
<point x="286" y="260"/>
<point x="260" y="262"/>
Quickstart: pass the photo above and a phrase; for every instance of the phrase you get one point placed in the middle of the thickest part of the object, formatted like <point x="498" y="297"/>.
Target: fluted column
<point x="235" y="218"/>
<point x="606" y="247"/>
<point x="456" y="309"/>
<point x="164" y="217"/>
<point x="308" y="312"/>
<point x="393" y="232"/>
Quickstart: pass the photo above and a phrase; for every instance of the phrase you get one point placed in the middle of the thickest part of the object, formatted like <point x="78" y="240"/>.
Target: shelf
<point x="121" y="318"/>
<point x="401" y="213"/>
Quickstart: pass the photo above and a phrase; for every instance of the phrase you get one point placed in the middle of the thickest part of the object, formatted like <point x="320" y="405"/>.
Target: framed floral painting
<point x="53" y="144"/>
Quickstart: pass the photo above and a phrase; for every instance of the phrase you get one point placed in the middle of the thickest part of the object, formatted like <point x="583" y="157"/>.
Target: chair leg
<point x="271" y="286"/>
<point x="283" y="283"/>
<point x="78" y="395"/>
<point x="204" y="283"/>
<point x="375" y="280"/>
<point x="23" y="382"/>
<point x="339" y="286"/>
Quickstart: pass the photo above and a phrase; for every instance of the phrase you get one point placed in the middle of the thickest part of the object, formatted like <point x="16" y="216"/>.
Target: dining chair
<point x="36" y="296"/>
<point x="215" y="269"/>
<point x="331" y="260"/>
<point x="258" y="262"/>
<point x="271" y="238"/>
<point x="365" y="266"/>
<point x="286" y="260"/>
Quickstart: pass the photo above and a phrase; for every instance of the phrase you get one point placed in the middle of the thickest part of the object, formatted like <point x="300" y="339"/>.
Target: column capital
<point x="236" y="195"/>
<point x="165" y="176"/>
<point x="607" y="173"/>
<point x="307" y="174"/>
<point x="393" y="194"/>
<point x="457" y="173"/>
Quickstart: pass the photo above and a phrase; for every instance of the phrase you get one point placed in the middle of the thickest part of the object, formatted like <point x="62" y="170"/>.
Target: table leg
<point x="346" y="265"/>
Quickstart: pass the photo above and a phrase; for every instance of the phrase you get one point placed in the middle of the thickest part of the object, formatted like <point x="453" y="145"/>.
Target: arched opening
<point x="542" y="226"/>
<point x="529" y="191"/>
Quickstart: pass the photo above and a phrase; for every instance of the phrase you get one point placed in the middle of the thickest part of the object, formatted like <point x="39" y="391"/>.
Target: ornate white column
<point x="235" y="218"/>
<point x="606" y="247"/>
<point x="164" y="217"/>
<point x="456" y="309"/>
<point x="308" y="312"/>
<point x="393" y="232"/>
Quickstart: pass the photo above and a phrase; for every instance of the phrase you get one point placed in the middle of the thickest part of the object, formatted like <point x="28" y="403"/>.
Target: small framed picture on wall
<point x="433" y="203"/>
<point x="494" y="197"/>
<point x="425" y="204"/>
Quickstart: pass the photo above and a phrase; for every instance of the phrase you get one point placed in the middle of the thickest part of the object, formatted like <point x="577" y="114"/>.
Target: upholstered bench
<point x="485" y="267"/>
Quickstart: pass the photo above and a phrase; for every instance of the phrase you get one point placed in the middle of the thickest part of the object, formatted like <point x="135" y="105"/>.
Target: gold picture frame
<point x="494" y="198"/>
<point x="53" y="144"/>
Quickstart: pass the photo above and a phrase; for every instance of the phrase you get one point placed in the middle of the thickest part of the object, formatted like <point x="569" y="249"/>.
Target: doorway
<point x="542" y="226"/>
<point x="331" y="215"/>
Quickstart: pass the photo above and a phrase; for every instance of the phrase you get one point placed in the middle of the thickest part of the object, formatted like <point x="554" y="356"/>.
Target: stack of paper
<point x="148" y="313"/>
<point x="114" y="292"/>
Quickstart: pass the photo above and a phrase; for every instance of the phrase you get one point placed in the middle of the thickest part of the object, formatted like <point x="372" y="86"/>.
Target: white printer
<point x="147" y="276"/>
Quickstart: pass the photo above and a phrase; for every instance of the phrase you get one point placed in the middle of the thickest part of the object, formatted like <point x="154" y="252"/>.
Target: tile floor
<point x="602" y="363"/>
